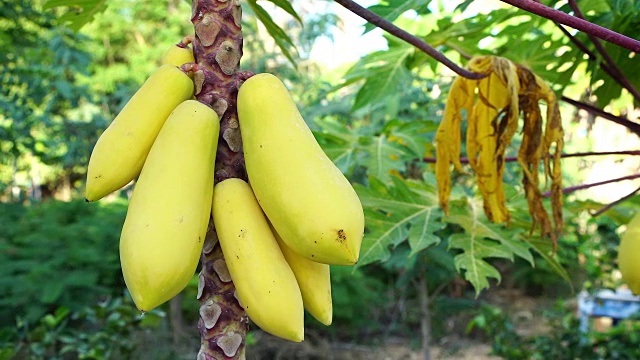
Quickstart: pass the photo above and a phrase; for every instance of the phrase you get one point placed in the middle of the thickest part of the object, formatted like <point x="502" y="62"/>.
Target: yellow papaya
<point x="265" y="285"/>
<point x="121" y="150"/>
<point x="629" y="255"/>
<point x="169" y="211"/>
<point x="314" y="280"/>
<point x="306" y="197"/>
<point x="178" y="56"/>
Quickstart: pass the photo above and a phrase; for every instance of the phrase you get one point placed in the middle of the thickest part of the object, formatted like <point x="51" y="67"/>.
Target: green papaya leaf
<point x="385" y="74"/>
<point x="80" y="12"/>
<point x="281" y="38"/>
<point x="482" y="240"/>
<point x="392" y="9"/>
<point x="286" y="6"/>
<point x="403" y="210"/>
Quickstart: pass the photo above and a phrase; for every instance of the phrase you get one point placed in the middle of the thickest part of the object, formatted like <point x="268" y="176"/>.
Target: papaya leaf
<point x="281" y="38"/>
<point x="381" y="156"/>
<point x="286" y="6"/>
<point x="392" y="9"/>
<point x="544" y="249"/>
<point x="403" y="210"/>
<point x="482" y="240"/>
<point x="80" y="12"/>
<point x="385" y="74"/>
<point x="339" y="144"/>
<point x="417" y="136"/>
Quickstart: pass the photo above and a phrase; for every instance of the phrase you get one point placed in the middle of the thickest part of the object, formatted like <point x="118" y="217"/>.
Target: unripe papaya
<point x="305" y="196"/>
<point x="169" y="211"/>
<point x="121" y="150"/>
<point x="178" y="56"/>
<point x="314" y="280"/>
<point x="629" y="255"/>
<point x="265" y="285"/>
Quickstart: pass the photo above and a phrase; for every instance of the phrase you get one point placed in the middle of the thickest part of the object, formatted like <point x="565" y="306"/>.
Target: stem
<point x="609" y="206"/>
<point x="571" y="189"/>
<point x="576" y="23"/>
<point x="614" y="70"/>
<point x="621" y="79"/>
<point x="217" y="48"/>
<point x="389" y="27"/>
<point x="632" y="126"/>
<point x="425" y="318"/>
<point x="465" y="160"/>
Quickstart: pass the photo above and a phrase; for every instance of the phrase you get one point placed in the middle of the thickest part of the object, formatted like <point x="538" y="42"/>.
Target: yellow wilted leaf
<point x="448" y="136"/>
<point x="493" y="105"/>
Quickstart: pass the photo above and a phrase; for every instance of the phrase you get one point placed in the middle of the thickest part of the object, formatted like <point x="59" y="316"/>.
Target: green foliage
<point x="403" y="211"/>
<point x="41" y="122"/>
<point x="382" y="70"/>
<point x="79" y="13"/>
<point x="280" y="36"/>
<point x="524" y="38"/>
<point x="482" y="240"/>
<point x="622" y="17"/>
<point x="392" y="9"/>
<point x="57" y="254"/>
<point x="350" y="290"/>
<point x="563" y="341"/>
<point x="102" y="331"/>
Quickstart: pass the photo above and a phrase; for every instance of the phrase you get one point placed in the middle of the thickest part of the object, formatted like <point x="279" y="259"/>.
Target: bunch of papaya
<point x="279" y="231"/>
<point x="297" y="215"/>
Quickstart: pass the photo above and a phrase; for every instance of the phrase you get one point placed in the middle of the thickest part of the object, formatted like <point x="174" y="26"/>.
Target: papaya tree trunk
<point x="177" y="322"/>
<point x="425" y="315"/>
<point x="217" y="48"/>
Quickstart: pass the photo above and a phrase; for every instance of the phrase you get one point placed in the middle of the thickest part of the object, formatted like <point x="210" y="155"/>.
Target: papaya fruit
<point x="314" y="280"/>
<point x="121" y="150"/>
<point x="308" y="200"/>
<point x="629" y="255"/>
<point x="178" y="56"/>
<point x="169" y="210"/>
<point x="265" y="284"/>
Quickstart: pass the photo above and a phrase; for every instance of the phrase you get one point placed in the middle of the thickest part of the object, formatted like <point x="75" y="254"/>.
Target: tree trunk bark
<point x="177" y="322"/>
<point x="425" y="319"/>
<point x="217" y="48"/>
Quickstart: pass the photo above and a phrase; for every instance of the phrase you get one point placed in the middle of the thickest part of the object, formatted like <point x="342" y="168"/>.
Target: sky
<point x="349" y="44"/>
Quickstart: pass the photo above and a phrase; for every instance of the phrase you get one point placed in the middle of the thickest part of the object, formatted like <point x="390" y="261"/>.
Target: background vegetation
<point x="61" y="290"/>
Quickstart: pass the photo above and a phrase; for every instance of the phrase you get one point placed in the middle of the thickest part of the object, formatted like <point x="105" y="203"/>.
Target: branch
<point x="614" y="71"/>
<point x="609" y="206"/>
<point x="465" y="160"/>
<point x="571" y="189"/>
<point x="592" y="56"/>
<point x="389" y="27"/>
<point x="576" y="23"/>
<point x="632" y="126"/>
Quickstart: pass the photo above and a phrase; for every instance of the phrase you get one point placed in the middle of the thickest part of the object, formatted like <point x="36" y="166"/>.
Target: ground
<point x="524" y="311"/>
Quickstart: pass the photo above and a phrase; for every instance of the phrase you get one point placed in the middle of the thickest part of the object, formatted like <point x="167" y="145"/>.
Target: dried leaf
<point x="493" y="106"/>
<point x="448" y="136"/>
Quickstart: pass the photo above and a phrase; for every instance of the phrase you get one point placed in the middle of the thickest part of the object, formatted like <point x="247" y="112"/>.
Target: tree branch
<point x="571" y="189"/>
<point x="609" y="206"/>
<point x="609" y="70"/>
<point x="614" y="71"/>
<point x="389" y="27"/>
<point x="632" y="126"/>
<point x="465" y="160"/>
<point x="576" y="23"/>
